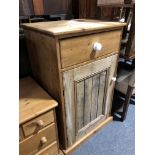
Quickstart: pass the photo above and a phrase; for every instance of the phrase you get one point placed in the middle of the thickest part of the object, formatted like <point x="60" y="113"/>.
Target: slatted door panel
<point x="90" y="100"/>
<point x="86" y="98"/>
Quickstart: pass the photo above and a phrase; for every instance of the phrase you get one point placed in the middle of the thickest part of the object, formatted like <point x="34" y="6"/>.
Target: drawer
<point x="80" y="49"/>
<point x="38" y="123"/>
<point x="20" y="134"/>
<point x="38" y="141"/>
<point x="49" y="150"/>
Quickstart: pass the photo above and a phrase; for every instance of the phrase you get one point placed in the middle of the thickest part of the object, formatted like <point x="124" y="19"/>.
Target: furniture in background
<point x="125" y="84"/>
<point x="54" y="8"/>
<point x="127" y="54"/>
<point x="75" y="62"/>
<point x="37" y="120"/>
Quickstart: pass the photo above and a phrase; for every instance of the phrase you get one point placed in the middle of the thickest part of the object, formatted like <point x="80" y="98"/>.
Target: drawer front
<point x="38" y="123"/>
<point x="80" y="49"/>
<point x="49" y="150"/>
<point x="38" y="141"/>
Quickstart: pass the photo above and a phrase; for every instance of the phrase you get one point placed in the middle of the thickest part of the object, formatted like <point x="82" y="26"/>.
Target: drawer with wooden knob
<point x="49" y="150"/>
<point x="84" y="48"/>
<point x="38" y="141"/>
<point x="38" y="123"/>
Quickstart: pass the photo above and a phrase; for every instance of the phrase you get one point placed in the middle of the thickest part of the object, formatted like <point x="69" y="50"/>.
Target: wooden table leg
<point x="127" y="101"/>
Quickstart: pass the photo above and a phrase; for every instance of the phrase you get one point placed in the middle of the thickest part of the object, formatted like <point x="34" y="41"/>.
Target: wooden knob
<point x="43" y="140"/>
<point x="40" y="123"/>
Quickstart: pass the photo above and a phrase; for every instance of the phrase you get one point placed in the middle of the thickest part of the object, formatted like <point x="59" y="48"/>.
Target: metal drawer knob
<point x="40" y="123"/>
<point x="97" y="46"/>
<point x="43" y="140"/>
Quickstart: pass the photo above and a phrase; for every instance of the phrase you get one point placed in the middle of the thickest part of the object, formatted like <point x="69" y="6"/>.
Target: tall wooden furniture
<point x="37" y="121"/>
<point x="75" y="61"/>
<point x="44" y="7"/>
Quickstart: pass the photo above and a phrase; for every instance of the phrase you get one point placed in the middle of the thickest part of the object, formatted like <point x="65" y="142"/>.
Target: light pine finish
<point x="95" y="90"/>
<point x="111" y="85"/>
<point x="80" y="104"/>
<point x="21" y="136"/>
<point x="69" y="107"/>
<point x="44" y="48"/>
<point x="61" y="28"/>
<point x="32" y="126"/>
<point x="33" y="100"/>
<point x="64" y="64"/>
<point x="72" y="86"/>
<point x="45" y="64"/>
<point x="88" y="100"/>
<point x="33" y="144"/>
<point x="101" y="94"/>
<point x="80" y="49"/>
<point x="90" y="126"/>
<point x="49" y="150"/>
<point x="38" y="127"/>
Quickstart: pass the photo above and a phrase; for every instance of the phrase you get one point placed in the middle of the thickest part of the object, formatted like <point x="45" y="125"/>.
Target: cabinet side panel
<point x="42" y="50"/>
<point x="43" y="59"/>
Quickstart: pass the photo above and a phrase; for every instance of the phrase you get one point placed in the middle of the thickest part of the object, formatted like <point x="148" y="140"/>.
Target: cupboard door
<point x="88" y="92"/>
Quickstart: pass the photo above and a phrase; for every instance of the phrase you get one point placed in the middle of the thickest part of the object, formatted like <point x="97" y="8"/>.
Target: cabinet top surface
<point x="33" y="100"/>
<point x="72" y="26"/>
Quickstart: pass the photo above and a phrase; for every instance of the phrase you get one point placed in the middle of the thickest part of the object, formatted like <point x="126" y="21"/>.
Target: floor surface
<point x="117" y="138"/>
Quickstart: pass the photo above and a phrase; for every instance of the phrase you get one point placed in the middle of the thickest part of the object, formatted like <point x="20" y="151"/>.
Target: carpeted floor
<point x="116" y="138"/>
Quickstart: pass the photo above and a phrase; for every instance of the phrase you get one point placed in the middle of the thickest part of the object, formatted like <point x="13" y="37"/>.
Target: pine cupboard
<point x="75" y="61"/>
<point x="37" y="121"/>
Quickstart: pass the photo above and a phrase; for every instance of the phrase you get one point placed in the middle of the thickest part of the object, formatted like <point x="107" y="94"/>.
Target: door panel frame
<point x="77" y="74"/>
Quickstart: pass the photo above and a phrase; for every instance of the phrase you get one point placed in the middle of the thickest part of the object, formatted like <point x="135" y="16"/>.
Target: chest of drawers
<point x="37" y="122"/>
<point x="75" y="61"/>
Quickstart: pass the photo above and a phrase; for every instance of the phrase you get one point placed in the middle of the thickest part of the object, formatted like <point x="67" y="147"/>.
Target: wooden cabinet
<point x="75" y="61"/>
<point x="38" y="129"/>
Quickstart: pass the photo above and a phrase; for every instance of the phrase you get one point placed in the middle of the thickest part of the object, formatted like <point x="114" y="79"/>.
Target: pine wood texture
<point x="37" y="119"/>
<point x="111" y="84"/>
<point x="80" y="49"/>
<point x="60" y="28"/>
<point x="45" y="63"/>
<point x="63" y="63"/>
<point x="33" y="100"/>
<point x="49" y="150"/>
<point x="33" y="144"/>
<point x="31" y="127"/>
<point x="21" y="136"/>
<point x="86" y="136"/>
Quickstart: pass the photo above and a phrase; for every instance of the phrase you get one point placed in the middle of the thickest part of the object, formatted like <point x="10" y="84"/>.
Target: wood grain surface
<point x="33" y="100"/>
<point x="80" y="49"/>
<point x="63" y="27"/>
